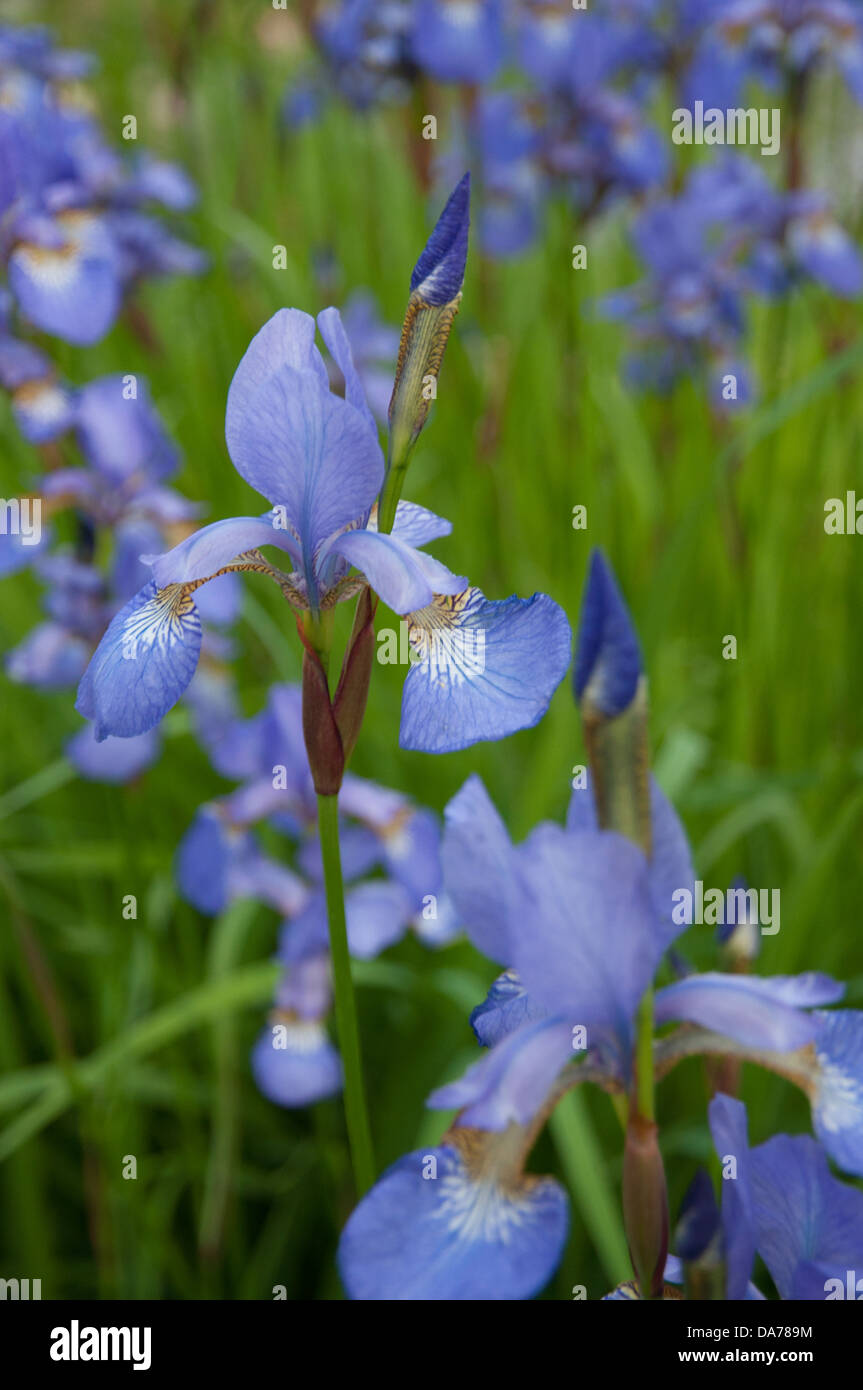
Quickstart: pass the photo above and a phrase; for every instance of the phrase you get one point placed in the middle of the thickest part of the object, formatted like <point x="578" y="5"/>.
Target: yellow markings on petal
<point x="57" y="266"/>
<point x="491" y="1198"/>
<point x="450" y="648"/>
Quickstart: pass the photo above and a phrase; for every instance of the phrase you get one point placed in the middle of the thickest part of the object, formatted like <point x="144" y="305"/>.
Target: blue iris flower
<point x="484" y="668"/>
<point x="581" y="918"/>
<point x="781" y="1201"/>
<point x="458" y="40"/>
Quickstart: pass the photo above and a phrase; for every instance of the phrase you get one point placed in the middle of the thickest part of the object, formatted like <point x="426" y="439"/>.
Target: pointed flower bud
<point x="320" y="730"/>
<point x="611" y="690"/>
<point x="608" y="655"/>
<point x="439" y="273"/>
<point x="436" y="285"/>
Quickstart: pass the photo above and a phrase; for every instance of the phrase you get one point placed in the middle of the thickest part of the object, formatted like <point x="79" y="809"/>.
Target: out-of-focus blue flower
<point x="781" y="1201"/>
<point x="220" y="859"/>
<point x="293" y="1062"/>
<point x="374" y="348"/>
<point x="767" y="39"/>
<point x="367" y="47"/>
<point x="114" y="760"/>
<point x="120" y="434"/>
<point x="458" y="40"/>
<point x="820" y="248"/>
<point x="454" y="1222"/>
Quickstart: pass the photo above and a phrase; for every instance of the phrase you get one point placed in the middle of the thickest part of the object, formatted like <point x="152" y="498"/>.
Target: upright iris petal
<point x="309" y="452"/>
<point x="591" y="950"/>
<point x="451" y="1223"/>
<point x="729" y="1130"/>
<point x="670" y="863"/>
<point x="479" y="869"/>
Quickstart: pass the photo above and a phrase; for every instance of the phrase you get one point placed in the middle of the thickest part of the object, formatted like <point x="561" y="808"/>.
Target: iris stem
<point x="644" y="1087"/>
<point x="356" y="1110"/>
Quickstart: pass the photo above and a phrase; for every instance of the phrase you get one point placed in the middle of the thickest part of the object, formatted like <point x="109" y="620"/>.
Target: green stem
<point x="644" y="1088"/>
<point x="356" y="1112"/>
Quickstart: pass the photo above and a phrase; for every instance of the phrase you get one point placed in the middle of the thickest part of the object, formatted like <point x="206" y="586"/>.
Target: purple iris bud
<point x="438" y="275"/>
<point x="741" y="936"/>
<point x="608" y="662"/>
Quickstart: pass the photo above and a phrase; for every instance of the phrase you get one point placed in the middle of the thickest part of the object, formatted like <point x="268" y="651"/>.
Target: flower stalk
<point x="356" y="1109"/>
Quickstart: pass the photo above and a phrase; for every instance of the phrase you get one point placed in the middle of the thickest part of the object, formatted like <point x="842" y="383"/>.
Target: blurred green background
<point x="132" y="1037"/>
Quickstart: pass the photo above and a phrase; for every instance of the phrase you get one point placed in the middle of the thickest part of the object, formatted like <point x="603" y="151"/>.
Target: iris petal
<point x="336" y="339"/>
<point x="487" y="669"/>
<point x="591" y="950"/>
<point x="431" y="1230"/>
<point x="114" y="760"/>
<point x="405" y="578"/>
<point x="207" y="551"/>
<point x="510" y="1084"/>
<point x="837" y="1096"/>
<point x="305" y="449"/>
<point x="670" y="864"/>
<point x="143" y="663"/>
<point x="479" y="869"/>
<point x="728" y="1128"/>
<point x="295" y="1064"/>
<point x="71" y="290"/>
<point x="803" y="1215"/>
<point x="506" y="1007"/>
<point x="413" y="524"/>
<point x="758" y="1012"/>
